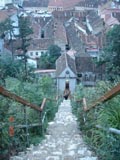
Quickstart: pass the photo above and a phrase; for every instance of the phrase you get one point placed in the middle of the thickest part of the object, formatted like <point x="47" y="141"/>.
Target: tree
<point x="48" y="59"/>
<point x="9" y="68"/>
<point x="111" y="55"/>
<point x="25" y="31"/>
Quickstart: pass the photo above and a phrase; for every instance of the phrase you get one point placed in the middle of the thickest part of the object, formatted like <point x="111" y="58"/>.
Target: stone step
<point x="63" y="140"/>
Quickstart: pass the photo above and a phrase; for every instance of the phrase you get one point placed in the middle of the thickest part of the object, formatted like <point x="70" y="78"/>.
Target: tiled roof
<point x="112" y="21"/>
<point x="40" y="44"/>
<point x="42" y="23"/>
<point x="35" y="44"/>
<point x="88" y="3"/>
<point x="95" y="21"/>
<point x="73" y="39"/>
<point x="36" y="30"/>
<point x="35" y="3"/>
<point x="84" y="64"/>
<point x="65" y="61"/>
<point x="58" y="3"/>
<point x="60" y="32"/>
<point x="71" y="53"/>
<point x="4" y="14"/>
<point x="16" y="46"/>
<point x="110" y="15"/>
<point x="63" y="3"/>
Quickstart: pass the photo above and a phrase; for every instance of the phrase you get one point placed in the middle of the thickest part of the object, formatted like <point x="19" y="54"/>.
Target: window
<point x="86" y="77"/>
<point x="36" y="53"/>
<point x="31" y="53"/>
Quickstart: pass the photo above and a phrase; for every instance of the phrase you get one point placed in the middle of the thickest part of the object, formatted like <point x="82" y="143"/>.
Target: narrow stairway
<point x="63" y="140"/>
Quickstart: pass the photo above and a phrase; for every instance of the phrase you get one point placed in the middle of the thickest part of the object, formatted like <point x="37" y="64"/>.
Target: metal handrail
<point x="19" y="99"/>
<point x="107" y="96"/>
<point x="42" y="115"/>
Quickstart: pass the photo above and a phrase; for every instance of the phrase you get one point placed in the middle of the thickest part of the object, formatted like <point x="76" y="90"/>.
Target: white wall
<point x="18" y="2"/>
<point x="4" y="2"/>
<point x="62" y="79"/>
<point x="32" y="63"/>
<point x="35" y="53"/>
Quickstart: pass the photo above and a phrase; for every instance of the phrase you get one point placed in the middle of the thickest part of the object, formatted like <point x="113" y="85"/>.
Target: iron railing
<point x="14" y="128"/>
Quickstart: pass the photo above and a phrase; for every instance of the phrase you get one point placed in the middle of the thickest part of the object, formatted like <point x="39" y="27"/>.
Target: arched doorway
<point x="67" y="90"/>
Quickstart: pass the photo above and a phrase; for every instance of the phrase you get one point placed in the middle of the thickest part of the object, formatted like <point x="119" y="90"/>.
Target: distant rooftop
<point x="63" y="3"/>
<point x="35" y="3"/>
<point x="65" y="61"/>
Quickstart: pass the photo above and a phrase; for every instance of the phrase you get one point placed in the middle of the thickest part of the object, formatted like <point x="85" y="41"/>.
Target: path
<point x="63" y="140"/>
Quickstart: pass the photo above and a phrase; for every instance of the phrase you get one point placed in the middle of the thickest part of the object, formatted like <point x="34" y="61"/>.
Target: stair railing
<point x="40" y="109"/>
<point x="107" y="96"/>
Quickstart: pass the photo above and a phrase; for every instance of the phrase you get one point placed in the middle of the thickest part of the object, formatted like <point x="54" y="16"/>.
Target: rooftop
<point x="4" y="14"/>
<point x="35" y="3"/>
<point x="65" y="61"/>
<point x="63" y="3"/>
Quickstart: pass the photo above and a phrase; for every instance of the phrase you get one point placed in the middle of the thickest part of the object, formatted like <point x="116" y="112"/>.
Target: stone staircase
<point x="63" y="140"/>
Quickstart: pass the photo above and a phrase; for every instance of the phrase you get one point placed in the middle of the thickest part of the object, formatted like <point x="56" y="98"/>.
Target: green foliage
<point x="24" y="37"/>
<point x="48" y="59"/>
<point x="10" y="68"/>
<point x="34" y="92"/>
<point x="111" y="55"/>
<point x="7" y="27"/>
<point x="24" y="32"/>
<point x="105" y="144"/>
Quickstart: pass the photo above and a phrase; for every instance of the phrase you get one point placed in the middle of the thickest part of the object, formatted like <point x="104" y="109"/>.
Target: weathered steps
<point x="63" y="140"/>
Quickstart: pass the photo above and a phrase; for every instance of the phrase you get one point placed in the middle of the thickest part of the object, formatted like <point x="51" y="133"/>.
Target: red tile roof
<point x="40" y="44"/>
<point x="63" y="3"/>
<point x="4" y="14"/>
<point x="63" y="62"/>
<point x="60" y="33"/>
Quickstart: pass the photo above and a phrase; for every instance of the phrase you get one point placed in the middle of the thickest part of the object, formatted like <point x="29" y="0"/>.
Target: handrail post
<point x="84" y="109"/>
<point x="84" y="104"/>
<point x="26" y="123"/>
<point x="41" y="125"/>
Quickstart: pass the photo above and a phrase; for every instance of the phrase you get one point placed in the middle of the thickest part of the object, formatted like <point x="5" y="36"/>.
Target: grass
<point x="105" y="144"/>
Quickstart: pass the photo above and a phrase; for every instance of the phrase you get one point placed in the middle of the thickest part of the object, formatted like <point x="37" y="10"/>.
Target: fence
<point x="107" y="96"/>
<point x="103" y="137"/>
<point x="23" y="121"/>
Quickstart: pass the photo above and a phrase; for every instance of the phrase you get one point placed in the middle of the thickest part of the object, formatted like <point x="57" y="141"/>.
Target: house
<point x="65" y="70"/>
<point x="4" y="14"/>
<point x="4" y="52"/>
<point x="61" y="5"/>
<point x="109" y="13"/>
<point x="74" y="40"/>
<point x="18" y="2"/>
<point x="46" y="72"/>
<point x="38" y="47"/>
<point x="87" y="71"/>
<point x="94" y="23"/>
<point x="4" y="2"/>
<point x="86" y="5"/>
<point x="35" y="5"/>
<point x="60" y="37"/>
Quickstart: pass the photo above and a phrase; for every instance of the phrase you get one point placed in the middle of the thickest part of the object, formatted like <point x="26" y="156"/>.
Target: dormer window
<point x="42" y="33"/>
